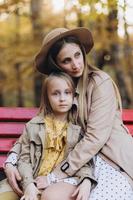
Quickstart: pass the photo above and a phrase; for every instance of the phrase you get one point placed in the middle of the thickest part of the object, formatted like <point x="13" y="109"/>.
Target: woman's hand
<point x="42" y="182"/>
<point x="13" y="176"/>
<point x="31" y="193"/>
<point x="83" y="190"/>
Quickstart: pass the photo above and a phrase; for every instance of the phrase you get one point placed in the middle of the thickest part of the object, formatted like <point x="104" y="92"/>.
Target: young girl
<point x="47" y="140"/>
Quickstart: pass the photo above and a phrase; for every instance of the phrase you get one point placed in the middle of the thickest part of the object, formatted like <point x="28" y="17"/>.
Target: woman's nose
<point x="75" y="64"/>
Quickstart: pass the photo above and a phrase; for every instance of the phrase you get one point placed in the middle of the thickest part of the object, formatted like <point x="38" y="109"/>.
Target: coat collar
<point x="39" y="119"/>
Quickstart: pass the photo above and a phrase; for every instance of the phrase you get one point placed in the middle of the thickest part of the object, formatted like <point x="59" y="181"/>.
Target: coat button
<point x="65" y="166"/>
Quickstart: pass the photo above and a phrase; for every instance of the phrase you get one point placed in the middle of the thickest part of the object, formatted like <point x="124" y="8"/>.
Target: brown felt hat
<point x="83" y="34"/>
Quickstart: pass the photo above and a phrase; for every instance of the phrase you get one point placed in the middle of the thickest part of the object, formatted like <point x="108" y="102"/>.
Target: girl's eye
<point x="68" y="92"/>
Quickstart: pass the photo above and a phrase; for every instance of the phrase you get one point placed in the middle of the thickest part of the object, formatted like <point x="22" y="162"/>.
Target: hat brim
<point x="84" y="36"/>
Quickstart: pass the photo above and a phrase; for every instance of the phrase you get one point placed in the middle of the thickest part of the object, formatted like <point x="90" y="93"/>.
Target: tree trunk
<point x="19" y="84"/>
<point x="36" y="7"/>
<point x="112" y="26"/>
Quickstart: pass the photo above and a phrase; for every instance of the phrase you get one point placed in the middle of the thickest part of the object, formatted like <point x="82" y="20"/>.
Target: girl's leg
<point x="58" y="191"/>
<point x="9" y="196"/>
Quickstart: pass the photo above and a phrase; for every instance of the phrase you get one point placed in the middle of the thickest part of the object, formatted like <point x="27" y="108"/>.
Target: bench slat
<point x="130" y="128"/>
<point x="127" y="115"/>
<point x="2" y="160"/>
<point x="12" y="129"/>
<point x="6" y="144"/>
<point x="18" y="114"/>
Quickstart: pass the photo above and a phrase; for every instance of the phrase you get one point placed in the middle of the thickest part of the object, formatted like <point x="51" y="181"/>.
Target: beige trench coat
<point x="30" y="146"/>
<point x="106" y="134"/>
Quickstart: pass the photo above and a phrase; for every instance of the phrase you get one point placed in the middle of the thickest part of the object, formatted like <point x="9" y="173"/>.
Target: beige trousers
<point x="9" y="196"/>
<point x="6" y="192"/>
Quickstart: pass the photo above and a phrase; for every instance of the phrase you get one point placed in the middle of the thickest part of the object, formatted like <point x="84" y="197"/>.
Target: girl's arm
<point x="24" y="162"/>
<point x="11" y="163"/>
<point x="14" y="153"/>
<point x="13" y="177"/>
<point x="10" y="168"/>
<point x="31" y="192"/>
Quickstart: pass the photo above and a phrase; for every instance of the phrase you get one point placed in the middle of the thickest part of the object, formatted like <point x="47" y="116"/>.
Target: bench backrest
<point x="12" y="122"/>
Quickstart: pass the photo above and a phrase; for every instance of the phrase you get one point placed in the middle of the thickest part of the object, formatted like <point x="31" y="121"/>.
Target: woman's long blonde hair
<point x="82" y="87"/>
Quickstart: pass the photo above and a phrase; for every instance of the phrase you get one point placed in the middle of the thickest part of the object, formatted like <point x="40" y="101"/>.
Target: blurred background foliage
<point x="24" y="23"/>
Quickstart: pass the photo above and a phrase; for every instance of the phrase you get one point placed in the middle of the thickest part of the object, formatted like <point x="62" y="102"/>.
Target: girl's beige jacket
<point x="30" y="147"/>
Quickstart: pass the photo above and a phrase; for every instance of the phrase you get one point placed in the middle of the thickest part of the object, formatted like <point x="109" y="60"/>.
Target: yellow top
<point x="53" y="153"/>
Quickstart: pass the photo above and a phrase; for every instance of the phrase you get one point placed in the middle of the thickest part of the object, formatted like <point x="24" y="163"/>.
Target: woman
<point x="98" y="104"/>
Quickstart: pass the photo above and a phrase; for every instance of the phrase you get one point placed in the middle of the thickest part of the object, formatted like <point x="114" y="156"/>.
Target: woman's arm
<point x="87" y="172"/>
<point x="83" y="190"/>
<point x="99" y="127"/>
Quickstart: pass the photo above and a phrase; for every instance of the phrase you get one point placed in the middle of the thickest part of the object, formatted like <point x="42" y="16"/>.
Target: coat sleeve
<point x="24" y="161"/>
<point x="17" y="146"/>
<point x="15" y="149"/>
<point x="99" y="126"/>
<point x="87" y="171"/>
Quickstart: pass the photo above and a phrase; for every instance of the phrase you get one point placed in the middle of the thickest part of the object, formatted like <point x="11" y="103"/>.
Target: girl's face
<point x="60" y="97"/>
<point x="70" y="59"/>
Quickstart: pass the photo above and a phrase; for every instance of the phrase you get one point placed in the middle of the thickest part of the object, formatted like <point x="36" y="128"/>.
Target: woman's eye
<point x="77" y="54"/>
<point x="66" y="61"/>
<point x="55" y="93"/>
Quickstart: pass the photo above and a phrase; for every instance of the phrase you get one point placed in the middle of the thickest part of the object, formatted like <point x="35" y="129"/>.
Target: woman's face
<point x="70" y="59"/>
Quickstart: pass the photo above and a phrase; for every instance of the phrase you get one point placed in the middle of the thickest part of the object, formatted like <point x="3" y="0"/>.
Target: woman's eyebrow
<point x="66" y="58"/>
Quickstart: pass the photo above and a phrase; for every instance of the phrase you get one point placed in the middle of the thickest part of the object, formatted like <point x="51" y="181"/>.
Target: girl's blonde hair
<point x="45" y="106"/>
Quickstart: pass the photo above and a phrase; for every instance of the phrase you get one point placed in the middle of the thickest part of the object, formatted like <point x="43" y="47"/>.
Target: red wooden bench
<point x="12" y="122"/>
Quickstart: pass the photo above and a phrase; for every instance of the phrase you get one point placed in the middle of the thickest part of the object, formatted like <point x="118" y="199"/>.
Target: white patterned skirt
<point x="112" y="185"/>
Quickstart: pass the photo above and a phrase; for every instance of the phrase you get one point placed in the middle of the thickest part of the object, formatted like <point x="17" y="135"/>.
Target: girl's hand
<point x="42" y="182"/>
<point x="83" y="190"/>
<point x="13" y="177"/>
<point x="31" y="193"/>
